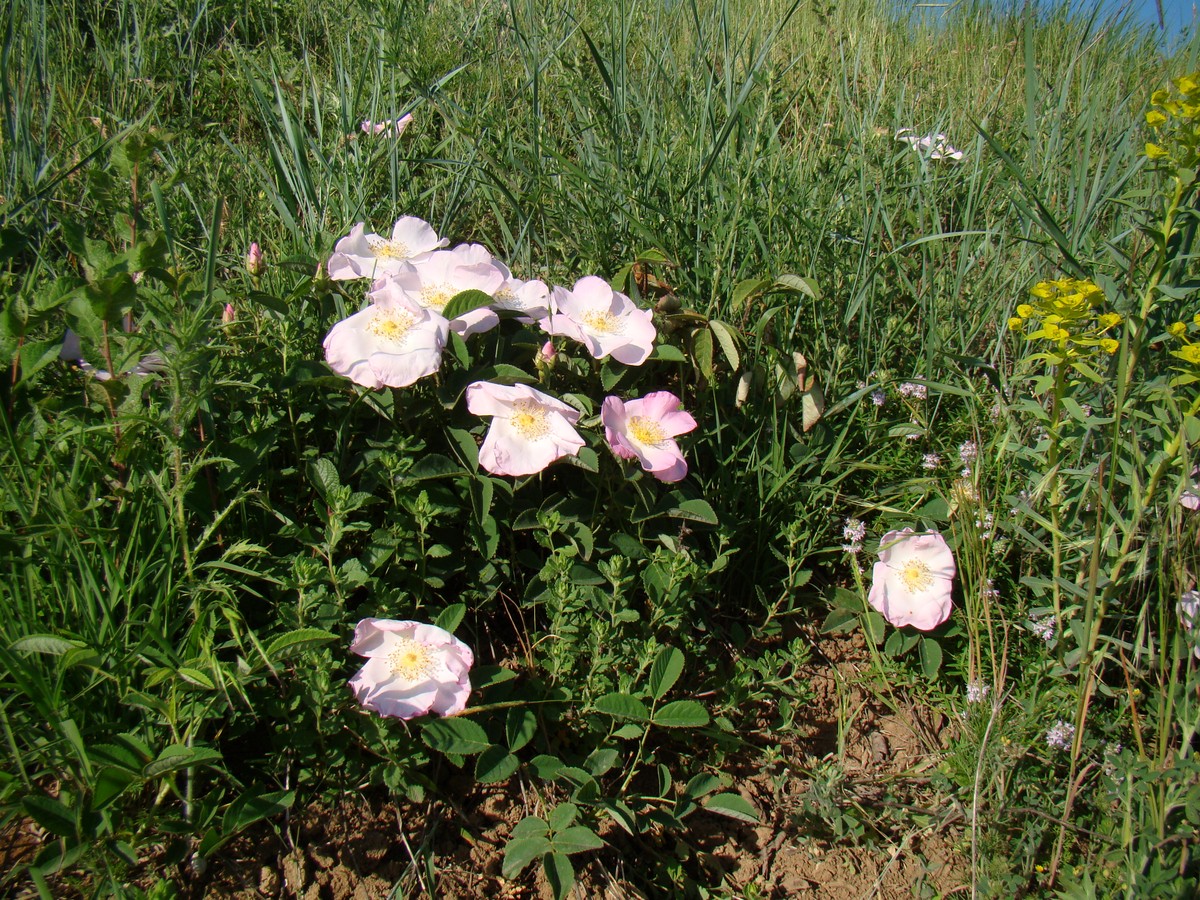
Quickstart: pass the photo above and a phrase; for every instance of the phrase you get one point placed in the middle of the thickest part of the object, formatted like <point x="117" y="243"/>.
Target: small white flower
<point x="931" y="461"/>
<point x="968" y="451"/>
<point x="1043" y="627"/>
<point x="914" y="390"/>
<point x="977" y="691"/>
<point x="878" y="397"/>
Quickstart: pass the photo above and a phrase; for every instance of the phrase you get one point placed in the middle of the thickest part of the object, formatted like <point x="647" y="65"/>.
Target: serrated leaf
<point x="464" y="302"/>
<point x="562" y="816"/>
<point x="451" y="617"/>
<point x="196" y="677"/>
<point x="668" y="666"/>
<point x="622" y="706"/>
<point x="49" y="644"/>
<point x="460" y="736"/>
<point x="495" y="764"/>
<point x="681" y="714"/>
<point x="735" y="806"/>
<point x="50" y="813"/>
<point x="520" y="727"/>
<point x="178" y="756"/>
<point x="747" y="290"/>
<point x="560" y="873"/>
<point x="576" y="839"/>
<point x="520" y="852"/>
<point x="298" y="639"/>
<point x="702" y="352"/>
<point x="701" y="785"/>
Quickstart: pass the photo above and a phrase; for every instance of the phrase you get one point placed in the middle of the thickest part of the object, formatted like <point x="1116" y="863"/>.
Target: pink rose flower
<point x="645" y="430"/>
<point x="529" y="429"/>
<point x="606" y="322"/>
<point x="434" y="279"/>
<point x="361" y="255"/>
<point x="411" y="669"/>
<point x="912" y="580"/>
<point x="391" y="343"/>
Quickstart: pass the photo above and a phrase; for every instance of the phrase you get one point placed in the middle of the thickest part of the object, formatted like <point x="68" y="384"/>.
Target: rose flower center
<point x="645" y="431"/>
<point x="915" y="576"/>
<point x="411" y="660"/>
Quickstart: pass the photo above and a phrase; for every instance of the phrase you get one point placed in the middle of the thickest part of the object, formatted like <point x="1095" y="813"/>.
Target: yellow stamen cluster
<point x="391" y="325"/>
<point x="411" y="660"/>
<point x="1174" y="117"/>
<point x="645" y="431"/>
<point x="529" y="420"/>
<point x="915" y="576"/>
<point x="385" y="249"/>
<point x="1065" y="311"/>
<point x="602" y="322"/>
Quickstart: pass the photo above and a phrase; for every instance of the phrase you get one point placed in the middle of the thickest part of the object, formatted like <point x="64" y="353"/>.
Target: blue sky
<point x="1177" y="14"/>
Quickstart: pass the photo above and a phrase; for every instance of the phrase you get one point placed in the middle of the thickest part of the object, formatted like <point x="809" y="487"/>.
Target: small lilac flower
<point x="853" y="533"/>
<point x="977" y="691"/>
<point x="1043" y="627"/>
<point x="968" y="451"/>
<point x="878" y="397"/>
<point x="914" y="390"/>
<point x="1060" y="736"/>
<point x="931" y="461"/>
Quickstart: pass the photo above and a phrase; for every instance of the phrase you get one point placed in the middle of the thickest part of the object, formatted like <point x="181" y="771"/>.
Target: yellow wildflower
<point x="1177" y="329"/>
<point x="1109" y="345"/>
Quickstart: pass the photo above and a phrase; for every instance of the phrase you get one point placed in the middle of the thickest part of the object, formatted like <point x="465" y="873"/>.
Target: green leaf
<point x="51" y="814"/>
<point x="577" y="839"/>
<point x="727" y="343"/>
<point x="110" y="783"/>
<point x="622" y="706"/>
<point x="667" y="353"/>
<point x="324" y="477"/>
<point x="562" y="816"/>
<point x="289" y="643"/>
<point x="747" y="290"/>
<point x="495" y="764"/>
<point x="196" y="677"/>
<point x="451" y="617"/>
<point x="530" y="826"/>
<point x="486" y="676"/>
<point x="178" y="756"/>
<point x="681" y="714"/>
<point x="668" y="666"/>
<point x="461" y="736"/>
<point x="798" y="285"/>
<point x="546" y="767"/>
<point x="252" y="807"/>
<point x="702" y="352"/>
<point x="521" y="851"/>
<point x="464" y="302"/>
<point x="50" y="644"/>
<point x="560" y="873"/>
<point x="735" y="806"/>
<point x="433" y="465"/>
<point x="701" y="785"/>
<point x="520" y="727"/>
<point x="931" y="657"/>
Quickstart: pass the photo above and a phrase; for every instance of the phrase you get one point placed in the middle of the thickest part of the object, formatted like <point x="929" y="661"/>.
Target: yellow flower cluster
<point x="1065" y="313"/>
<point x="1189" y="352"/>
<point x="1174" y="116"/>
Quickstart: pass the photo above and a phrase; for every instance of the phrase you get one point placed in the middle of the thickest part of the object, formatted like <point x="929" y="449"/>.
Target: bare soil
<point x="891" y="843"/>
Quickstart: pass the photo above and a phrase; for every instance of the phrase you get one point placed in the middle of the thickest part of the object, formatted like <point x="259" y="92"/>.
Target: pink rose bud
<point x="547" y="354"/>
<point x="254" y="260"/>
<point x="402" y="123"/>
<point x="228" y="316"/>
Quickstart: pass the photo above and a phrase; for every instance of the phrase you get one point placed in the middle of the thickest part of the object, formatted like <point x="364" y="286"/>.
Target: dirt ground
<point x="374" y="848"/>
